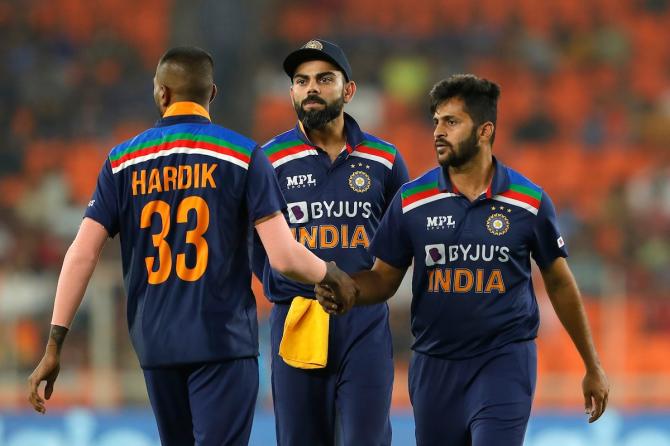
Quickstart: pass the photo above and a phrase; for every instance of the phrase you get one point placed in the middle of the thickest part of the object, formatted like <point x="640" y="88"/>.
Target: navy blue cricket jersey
<point x="472" y="288"/>
<point x="333" y="208"/>
<point x="183" y="196"/>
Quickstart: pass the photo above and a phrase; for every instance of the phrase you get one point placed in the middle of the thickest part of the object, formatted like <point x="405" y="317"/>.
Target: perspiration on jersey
<point x="183" y="196"/>
<point x="333" y="208"/>
<point x="472" y="288"/>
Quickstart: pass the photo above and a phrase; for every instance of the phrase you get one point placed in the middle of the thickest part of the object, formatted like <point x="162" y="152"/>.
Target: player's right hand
<point x="47" y="370"/>
<point x="337" y="293"/>
<point x="326" y="297"/>
<point x="596" y="390"/>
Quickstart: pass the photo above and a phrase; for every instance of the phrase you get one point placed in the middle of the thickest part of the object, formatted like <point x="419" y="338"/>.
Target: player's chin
<point x="443" y="159"/>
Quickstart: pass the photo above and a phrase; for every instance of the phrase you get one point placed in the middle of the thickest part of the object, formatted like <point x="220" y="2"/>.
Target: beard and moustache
<point x="465" y="151"/>
<point x="317" y="119"/>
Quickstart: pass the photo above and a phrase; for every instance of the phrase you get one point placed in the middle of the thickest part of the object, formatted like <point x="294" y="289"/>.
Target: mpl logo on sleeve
<point x="298" y="181"/>
<point x="440" y="222"/>
<point x="297" y="212"/>
<point x="435" y="255"/>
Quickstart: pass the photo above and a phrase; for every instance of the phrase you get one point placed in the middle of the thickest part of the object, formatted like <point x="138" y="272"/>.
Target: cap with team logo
<point x="318" y="49"/>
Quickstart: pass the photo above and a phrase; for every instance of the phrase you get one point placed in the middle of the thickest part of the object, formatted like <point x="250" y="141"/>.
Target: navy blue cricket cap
<point x="318" y="49"/>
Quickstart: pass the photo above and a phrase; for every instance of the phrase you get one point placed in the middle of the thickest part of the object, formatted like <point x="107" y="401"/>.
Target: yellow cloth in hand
<point x="304" y="344"/>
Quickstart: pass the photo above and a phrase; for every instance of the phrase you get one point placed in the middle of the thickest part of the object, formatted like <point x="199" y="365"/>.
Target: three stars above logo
<point x="501" y="208"/>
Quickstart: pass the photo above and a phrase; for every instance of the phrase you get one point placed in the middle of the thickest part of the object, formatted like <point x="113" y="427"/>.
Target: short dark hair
<point x="479" y="95"/>
<point x="187" y="55"/>
<point x="198" y="70"/>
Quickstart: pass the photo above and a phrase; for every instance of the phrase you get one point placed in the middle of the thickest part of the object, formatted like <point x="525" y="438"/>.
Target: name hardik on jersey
<point x="472" y="288"/>
<point x="333" y="208"/>
<point x="182" y="196"/>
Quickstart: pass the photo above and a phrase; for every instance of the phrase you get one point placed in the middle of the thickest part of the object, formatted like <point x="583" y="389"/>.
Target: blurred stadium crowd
<point x="584" y="112"/>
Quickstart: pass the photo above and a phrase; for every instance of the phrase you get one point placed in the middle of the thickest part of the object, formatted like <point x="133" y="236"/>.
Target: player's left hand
<point x="596" y="390"/>
<point x="47" y="370"/>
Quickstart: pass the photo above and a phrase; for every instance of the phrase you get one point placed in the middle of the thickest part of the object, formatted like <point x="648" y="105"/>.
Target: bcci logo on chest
<point x="440" y="222"/>
<point x="497" y="224"/>
<point x="359" y="181"/>
<point x="298" y="181"/>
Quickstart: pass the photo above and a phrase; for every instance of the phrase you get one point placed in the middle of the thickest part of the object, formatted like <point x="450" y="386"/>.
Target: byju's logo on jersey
<point x="297" y="181"/>
<point x="440" y="222"/>
<point x="435" y="255"/>
<point x="297" y="212"/>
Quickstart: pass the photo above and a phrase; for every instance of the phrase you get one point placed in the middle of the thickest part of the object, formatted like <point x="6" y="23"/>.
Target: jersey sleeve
<point x="399" y="176"/>
<point x="258" y="256"/>
<point x="391" y="242"/>
<point x="264" y="195"/>
<point x="547" y="244"/>
<point x="103" y="206"/>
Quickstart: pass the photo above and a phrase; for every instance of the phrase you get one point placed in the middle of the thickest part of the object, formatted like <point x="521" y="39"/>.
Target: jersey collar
<point x="185" y="111"/>
<point x="499" y="182"/>
<point x="352" y="131"/>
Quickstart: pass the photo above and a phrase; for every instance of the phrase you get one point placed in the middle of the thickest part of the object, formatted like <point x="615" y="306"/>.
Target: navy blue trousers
<point x="480" y="401"/>
<point x="354" y="388"/>
<point x="204" y="404"/>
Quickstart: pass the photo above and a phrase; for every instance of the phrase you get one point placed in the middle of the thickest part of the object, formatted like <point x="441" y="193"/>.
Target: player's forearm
<point x="78" y="266"/>
<point x="298" y="263"/>
<point x="288" y="256"/>
<point x="567" y="303"/>
<point x="373" y="286"/>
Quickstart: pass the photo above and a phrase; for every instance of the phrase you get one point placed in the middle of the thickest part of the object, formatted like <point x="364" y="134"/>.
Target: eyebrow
<point x="437" y="117"/>
<point x="318" y="75"/>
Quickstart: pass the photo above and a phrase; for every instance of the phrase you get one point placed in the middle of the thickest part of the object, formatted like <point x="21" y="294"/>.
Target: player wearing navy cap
<point x="471" y="226"/>
<point x="338" y="181"/>
<point x="182" y="196"/>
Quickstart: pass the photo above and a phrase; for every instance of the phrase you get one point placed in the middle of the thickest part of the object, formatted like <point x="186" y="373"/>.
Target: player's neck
<point x="474" y="177"/>
<point x="330" y="137"/>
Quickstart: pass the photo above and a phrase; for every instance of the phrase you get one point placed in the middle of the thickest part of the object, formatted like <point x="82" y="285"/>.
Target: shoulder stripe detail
<point x="121" y="153"/>
<point x="182" y="150"/>
<point x="379" y="146"/>
<point x="525" y="195"/>
<point x="421" y="191"/>
<point x="424" y="198"/>
<point x="285" y="152"/>
<point x="180" y="147"/>
<point x="278" y="147"/>
<point x="376" y="151"/>
<point x="523" y="201"/>
<point x="416" y="188"/>
<point x="373" y="157"/>
<point x="525" y="190"/>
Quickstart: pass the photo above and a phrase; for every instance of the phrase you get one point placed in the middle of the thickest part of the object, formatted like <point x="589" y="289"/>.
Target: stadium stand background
<point x="585" y="112"/>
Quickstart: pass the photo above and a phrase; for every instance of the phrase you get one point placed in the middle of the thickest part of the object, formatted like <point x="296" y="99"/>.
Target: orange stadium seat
<point x="12" y="189"/>
<point x="81" y="165"/>
<point x="297" y="23"/>
<point x="536" y="16"/>
<point x="273" y="115"/>
<point x="42" y="156"/>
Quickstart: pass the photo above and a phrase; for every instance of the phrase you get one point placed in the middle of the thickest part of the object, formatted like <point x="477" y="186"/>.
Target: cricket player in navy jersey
<point x="338" y="182"/>
<point x="182" y="196"/>
<point x="471" y="226"/>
